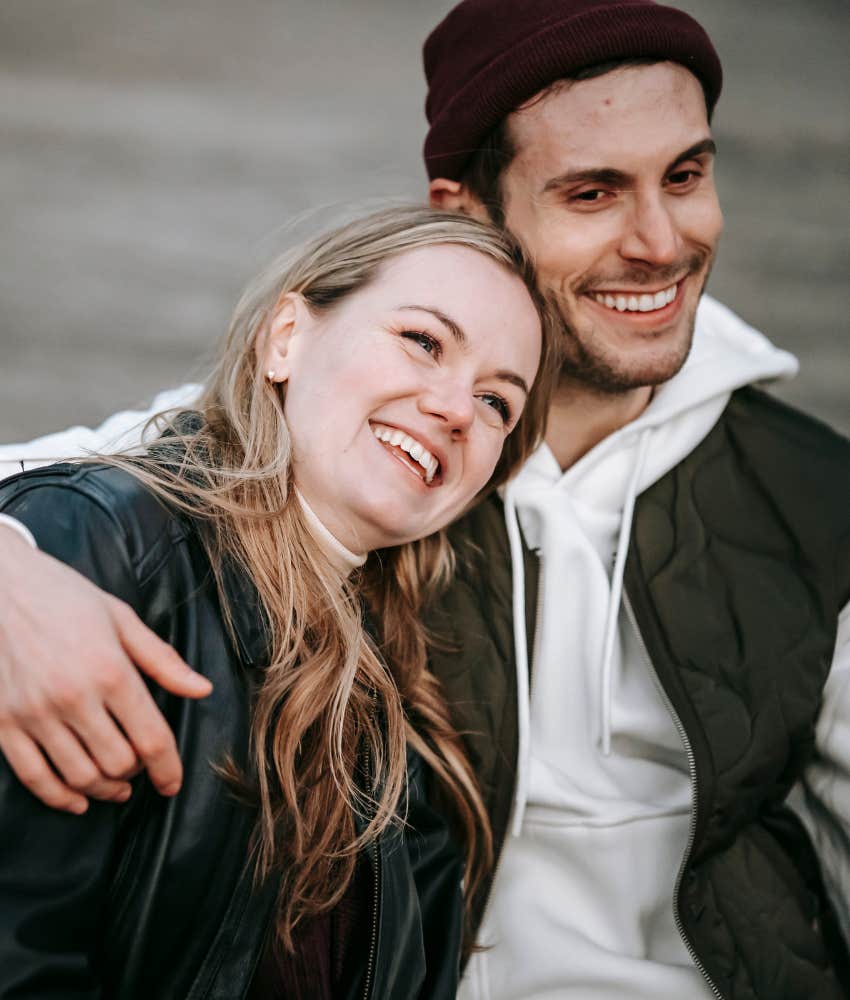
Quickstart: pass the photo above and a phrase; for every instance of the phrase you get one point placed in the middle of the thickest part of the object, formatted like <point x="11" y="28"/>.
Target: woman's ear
<point x="276" y="346"/>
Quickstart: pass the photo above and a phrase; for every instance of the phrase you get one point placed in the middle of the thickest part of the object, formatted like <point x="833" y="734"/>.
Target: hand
<point x="69" y="655"/>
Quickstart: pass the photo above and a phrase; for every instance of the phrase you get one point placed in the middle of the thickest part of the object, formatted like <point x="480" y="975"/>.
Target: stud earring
<point x="270" y="374"/>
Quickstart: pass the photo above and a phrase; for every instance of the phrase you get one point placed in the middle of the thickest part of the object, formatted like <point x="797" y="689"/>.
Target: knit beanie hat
<point x="489" y="56"/>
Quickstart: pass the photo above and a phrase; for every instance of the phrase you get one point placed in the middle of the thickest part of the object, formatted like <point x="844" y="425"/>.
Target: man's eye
<point x="499" y="404"/>
<point x="681" y="178"/>
<point x="428" y="343"/>
<point x="590" y="196"/>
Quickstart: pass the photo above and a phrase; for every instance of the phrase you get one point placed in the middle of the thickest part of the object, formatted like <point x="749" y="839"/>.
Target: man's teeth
<point x="418" y="452"/>
<point x="637" y="303"/>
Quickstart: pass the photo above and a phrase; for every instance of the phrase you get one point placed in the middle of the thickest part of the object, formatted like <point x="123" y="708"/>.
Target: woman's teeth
<point x="418" y="452"/>
<point x="637" y="303"/>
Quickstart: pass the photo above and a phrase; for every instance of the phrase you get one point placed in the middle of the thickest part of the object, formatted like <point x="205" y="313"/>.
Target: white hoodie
<point x="582" y="899"/>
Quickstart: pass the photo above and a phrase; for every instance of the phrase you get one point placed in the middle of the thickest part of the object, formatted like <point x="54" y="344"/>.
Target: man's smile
<point x="630" y="301"/>
<point x="651" y="310"/>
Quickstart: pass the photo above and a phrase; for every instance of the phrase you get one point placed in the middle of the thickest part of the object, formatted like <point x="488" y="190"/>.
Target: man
<point x="647" y="624"/>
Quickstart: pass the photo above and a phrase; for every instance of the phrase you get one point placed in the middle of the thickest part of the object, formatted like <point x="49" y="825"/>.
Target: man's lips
<point x="639" y="307"/>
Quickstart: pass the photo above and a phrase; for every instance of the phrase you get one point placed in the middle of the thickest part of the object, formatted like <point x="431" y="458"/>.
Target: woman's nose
<point x="452" y="403"/>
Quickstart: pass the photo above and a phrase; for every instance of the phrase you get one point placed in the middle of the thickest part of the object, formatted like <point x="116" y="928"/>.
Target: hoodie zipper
<point x="692" y="771"/>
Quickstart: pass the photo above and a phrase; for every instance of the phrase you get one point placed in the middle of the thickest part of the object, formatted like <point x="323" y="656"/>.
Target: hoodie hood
<point x="601" y="488"/>
<point x="726" y="355"/>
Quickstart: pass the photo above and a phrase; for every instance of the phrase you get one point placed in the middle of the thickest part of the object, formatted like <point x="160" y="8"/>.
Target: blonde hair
<point x="328" y="701"/>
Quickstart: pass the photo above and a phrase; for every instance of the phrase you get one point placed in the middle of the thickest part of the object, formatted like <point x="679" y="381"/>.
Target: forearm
<point x="11" y="528"/>
<point x="121" y="430"/>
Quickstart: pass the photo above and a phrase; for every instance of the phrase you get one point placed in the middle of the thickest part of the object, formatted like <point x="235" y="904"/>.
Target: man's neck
<point x="580" y="418"/>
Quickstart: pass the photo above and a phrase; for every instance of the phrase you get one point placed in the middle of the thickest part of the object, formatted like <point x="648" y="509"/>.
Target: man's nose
<point x="452" y="402"/>
<point x="651" y="233"/>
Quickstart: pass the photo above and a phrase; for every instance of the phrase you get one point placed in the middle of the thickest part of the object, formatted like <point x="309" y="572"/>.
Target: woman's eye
<point x="499" y="404"/>
<point x="428" y="343"/>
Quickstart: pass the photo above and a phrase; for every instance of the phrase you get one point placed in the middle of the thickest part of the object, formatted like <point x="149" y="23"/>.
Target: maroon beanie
<point x="489" y="56"/>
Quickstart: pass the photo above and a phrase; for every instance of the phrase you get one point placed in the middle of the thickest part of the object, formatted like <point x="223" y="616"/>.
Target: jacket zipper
<point x="375" y="857"/>
<point x="692" y="771"/>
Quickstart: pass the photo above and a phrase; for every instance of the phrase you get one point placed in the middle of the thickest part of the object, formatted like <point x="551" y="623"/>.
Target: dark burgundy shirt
<point x="329" y="950"/>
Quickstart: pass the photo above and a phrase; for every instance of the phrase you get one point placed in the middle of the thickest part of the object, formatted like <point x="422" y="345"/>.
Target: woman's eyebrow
<point x="513" y="378"/>
<point x="454" y="328"/>
<point x="460" y="337"/>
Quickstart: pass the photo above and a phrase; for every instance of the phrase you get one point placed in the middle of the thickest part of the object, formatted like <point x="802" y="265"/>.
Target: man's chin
<point x="607" y="372"/>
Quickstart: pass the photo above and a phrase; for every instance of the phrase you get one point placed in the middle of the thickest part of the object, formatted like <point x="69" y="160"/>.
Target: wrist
<point x="21" y="530"/>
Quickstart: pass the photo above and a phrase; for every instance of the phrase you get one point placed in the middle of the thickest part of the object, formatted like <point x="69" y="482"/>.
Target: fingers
<point x="74" y="764"/>
<point x="33" y="771"/>
<point x="149" y="735"/>
<point x="108" y="746"/>
<point x="69" y="686"/>
<point x="153" y="656"/>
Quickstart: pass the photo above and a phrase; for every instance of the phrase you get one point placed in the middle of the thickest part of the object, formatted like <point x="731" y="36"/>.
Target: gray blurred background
<point x="152" y="153"/>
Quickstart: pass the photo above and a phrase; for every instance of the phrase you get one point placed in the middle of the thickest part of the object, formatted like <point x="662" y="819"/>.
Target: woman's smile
<point x="410" y="452"/>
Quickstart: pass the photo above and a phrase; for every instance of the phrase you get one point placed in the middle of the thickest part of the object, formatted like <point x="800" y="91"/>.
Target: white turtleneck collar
<point x="342" y="558"/>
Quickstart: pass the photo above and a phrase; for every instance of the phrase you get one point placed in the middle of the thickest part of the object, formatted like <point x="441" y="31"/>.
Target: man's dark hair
<point x="483" y="176"/>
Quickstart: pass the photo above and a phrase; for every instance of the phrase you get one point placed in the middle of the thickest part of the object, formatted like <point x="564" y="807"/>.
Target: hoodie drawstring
<point x="521" y="658"/>
<point x="613" y="615"/>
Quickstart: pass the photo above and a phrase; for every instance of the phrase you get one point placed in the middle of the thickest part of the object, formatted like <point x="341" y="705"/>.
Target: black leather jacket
<point x="154" y="898"/>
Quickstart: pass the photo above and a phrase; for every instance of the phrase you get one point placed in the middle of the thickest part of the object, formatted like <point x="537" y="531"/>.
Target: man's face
<point x="612" y="192"/>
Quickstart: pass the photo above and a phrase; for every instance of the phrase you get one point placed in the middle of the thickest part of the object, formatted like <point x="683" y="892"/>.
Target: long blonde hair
<point x="328" y="700"/>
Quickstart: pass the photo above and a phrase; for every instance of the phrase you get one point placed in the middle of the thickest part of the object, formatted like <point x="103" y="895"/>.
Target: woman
<point x="371" y="386"/>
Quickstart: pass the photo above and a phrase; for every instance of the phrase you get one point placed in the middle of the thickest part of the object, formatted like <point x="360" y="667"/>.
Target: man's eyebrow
<point x="610" y="177"/>
<point x="454" y="329"/>
<point x="698" y="149"/>
<point x="594" y="175"/>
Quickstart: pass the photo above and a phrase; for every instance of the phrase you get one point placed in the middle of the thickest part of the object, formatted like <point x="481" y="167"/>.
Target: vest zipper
<point x="538" y="615"/>
<point x="692" y="771"/>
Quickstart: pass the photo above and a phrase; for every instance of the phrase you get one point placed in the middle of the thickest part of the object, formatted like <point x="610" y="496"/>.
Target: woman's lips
<point x="412" y="453"/>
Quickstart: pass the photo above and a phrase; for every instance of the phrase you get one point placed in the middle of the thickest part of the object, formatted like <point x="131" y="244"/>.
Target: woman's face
<point x="399" y="399"/>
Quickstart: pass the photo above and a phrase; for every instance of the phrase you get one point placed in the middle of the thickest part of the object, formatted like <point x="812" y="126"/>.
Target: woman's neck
<point x="341" y="557"/>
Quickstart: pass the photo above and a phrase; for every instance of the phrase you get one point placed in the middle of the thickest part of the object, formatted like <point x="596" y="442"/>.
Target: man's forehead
<point x="609" y="112"/>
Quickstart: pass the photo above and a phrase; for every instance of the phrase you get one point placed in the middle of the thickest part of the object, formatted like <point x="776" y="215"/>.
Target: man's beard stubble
<point x="600" y="374"/>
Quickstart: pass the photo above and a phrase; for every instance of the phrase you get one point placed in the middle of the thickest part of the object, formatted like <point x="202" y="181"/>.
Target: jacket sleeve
<point x="826" y="783"/>
<point x="55" y="868"/>
<point x="121" y="430"/>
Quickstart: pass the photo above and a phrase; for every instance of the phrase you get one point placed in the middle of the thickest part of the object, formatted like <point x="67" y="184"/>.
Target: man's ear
<point x="453" y="196"/>
<point x="275" y="348"/>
